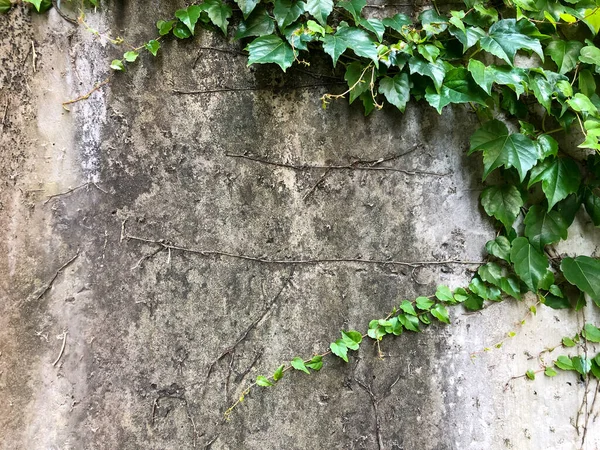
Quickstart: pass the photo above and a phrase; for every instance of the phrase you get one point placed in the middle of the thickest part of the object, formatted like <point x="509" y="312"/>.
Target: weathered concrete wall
<point x="144" y="325"/>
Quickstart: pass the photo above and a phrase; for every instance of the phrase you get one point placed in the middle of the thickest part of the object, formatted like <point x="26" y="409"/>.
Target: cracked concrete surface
<point x="143" y="325"/>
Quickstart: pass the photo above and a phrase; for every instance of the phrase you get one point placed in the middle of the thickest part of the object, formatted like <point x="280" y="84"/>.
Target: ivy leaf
<point x="36" y="3"/>
<point x="530" y="374"/>
<point x="581" y="103"/>
<point x="457" y="87"/>
<point x="486" y="76"/>
<point x="473" y="302"/>
<point x="298" y="364"/>
<point x="559" y="176"/>
<point x="564" y="53"/>
<point x="511" y="286"/>
<point x="278" y="375"/>
<point x="152" y="46"/>
<point x="259" y="23"/>
<point x="130" y="56"/>
<point x="432" y="22"/>
<point x="502" y="202"/>
<point x="351" y="339"/>
<point x="436" y="70"/>
<point x="339" y="349"/>
<point x="499" y="247"/>
<point x="581" y="365"/>
<point x="530" y="264"/>
<point x="444" y="294"/>
<point x="556" y="302"/>
<point x="287" y="12"/>
<point x="591" y="333"/>
<point x="410" y="322"/>
<point x="591" y="17"/>
<point x="592" y="206"/>
<point x="263" y="381"/>
<point x="564" y="363"/>
<point x="219" y="13"/>
<point x="583" y="272"/>
<point x="315" y="363"/>
<point x="359" y="41"/>
<point x="5" y="6"/>
<point x="440" y="312"/>
<point x="247" y="6"/>
<point x="397" y="22"/>
<point x="117" y="64"/>
<point x="469" y="37"/>
<point x="491" y="273"/>
<point x="544" y="227"/>
<point x="189" y="16"/>
<point x="181" y="31"/>
<point x="550" y="372"/>
<point x="270" y="49"/>
<point x="356" y="77"/>
<point x="547" y="146"/>
<point x="568" y="342"/>
<point x="375" y="26"/>
<point x="164" y="27"/>
<point x="507" y="36"/>
<point x="424" y="303"/>
<point x="320" y="9"/>
<point x="408" y="308"/>
<point x="503" y="149"/>
<point x="396" y="90"/>
<point x="590" y="55"/>
<point x="354" y="7"/>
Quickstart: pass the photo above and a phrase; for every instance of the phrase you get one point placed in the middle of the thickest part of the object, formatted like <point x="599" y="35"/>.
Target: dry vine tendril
<point x="442" y="59"/>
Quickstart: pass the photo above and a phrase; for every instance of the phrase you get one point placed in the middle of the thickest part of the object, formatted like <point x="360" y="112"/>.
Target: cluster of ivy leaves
<point x="529" y="69"/>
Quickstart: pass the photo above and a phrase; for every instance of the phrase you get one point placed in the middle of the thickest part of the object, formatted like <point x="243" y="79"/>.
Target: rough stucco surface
<point x="144" y="325"/>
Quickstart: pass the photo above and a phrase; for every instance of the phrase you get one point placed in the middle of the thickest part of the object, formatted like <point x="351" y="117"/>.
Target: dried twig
<point x="308" y="261"/>
<point x="69" y="191"/>
<point x="87" y="95"/>
<point x="374" y="402"/>
<point x="312" y="189"/>
<point x="62" y="349"/>
<point x="51" y="282"/>
<point x="34" y="56"/>
<point x="5" y="113"/>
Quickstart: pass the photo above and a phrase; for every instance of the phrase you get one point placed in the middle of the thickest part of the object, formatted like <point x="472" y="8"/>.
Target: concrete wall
<point x="143" y="325"/>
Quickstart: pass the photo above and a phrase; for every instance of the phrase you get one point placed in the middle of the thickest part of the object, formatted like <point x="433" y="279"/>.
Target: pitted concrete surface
<point x="89" y="196"/>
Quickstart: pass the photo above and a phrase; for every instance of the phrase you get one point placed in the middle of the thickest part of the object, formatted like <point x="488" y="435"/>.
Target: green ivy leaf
<point x="511" y="286"/>
<point x="339" y="349"/>
<point x="408" y="308"/>
<point x="581" y="365"/>
<point x="564" y="363"/>
<point x="356" y="77"/>
<point x="592" y="206"/>
<point x="270" y="49"/>
<point x="117" y="64"/>
<point x="36" y="3"/>
<point x="259" y="23"/>
<point x="583" y="272"/>
<point x="396" y="90"/>
<point x="375" y="26"/>
<point x="298" y="364"/>
<point x="287" y="12"/>
<point x="564" y="53"/>
<point x="460" y="295"/>
<point x="457" y="87"/>
<point x="397" y="22"/>
<point x="440" y="312"/>
<point x="595" y="368"/>
<point x="586" y="82"/>
<point x="436" y="71"/>
<point x="590" y="55"/>
<point x="499" y="247"/>
<point x="507" y="36"/>
<point x="278" y="375"/>
<point x="5" y="6"/>
<point x="351" y="339"/>
<point x="491" y="273"/>
<point x="530" y="374"/>
<point x="189" y="16"/>
<point x="581" y="103"/>
<point x="263" y="381"/>
<point x="354" y="7"/>
<point x="409" y="322"/>
<point x="315" y="363"/>
<point x="360" y="42"/>
<point x="559" y="176"/>
<point x="164" y="27"/>
<point x="544" y="227"/>
<point x="473" y="302"/>
<point x="469" y="37"/>
<point x="181" y="31"/>
<point x="502" y="202"/>
<point x="130" y="56"/>
<point x="550" y="372"/>
<point x="320" y="9"/>
<point x="568" y="342"/>
<point x="556" y="302"/>
<point x="486" y="76"/>
<point x="152" y="46"/>
<point x="247" y="6"/>
<point x="530" y="264"/>
<point x="444" y="294"/>
<point x="547" y="146"/>
<point x="591" y="333"/>
<point x="500" y="148"/>
<point x="432" y="22"/>
<point x="591" y="17"/>
<point x="219" y="14"/>
<point x="424" y="303"/>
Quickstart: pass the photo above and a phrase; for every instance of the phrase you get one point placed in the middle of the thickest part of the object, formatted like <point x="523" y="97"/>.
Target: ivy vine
<point x="530" y="70"/>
